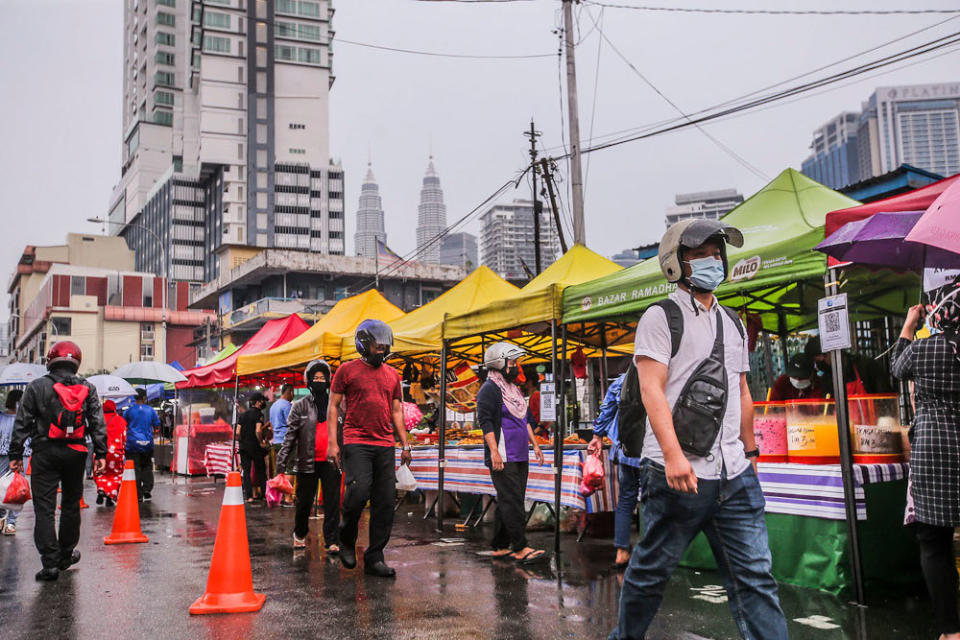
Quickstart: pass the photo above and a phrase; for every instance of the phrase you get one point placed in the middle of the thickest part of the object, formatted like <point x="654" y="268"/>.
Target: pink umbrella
<point x="939" y="226"/>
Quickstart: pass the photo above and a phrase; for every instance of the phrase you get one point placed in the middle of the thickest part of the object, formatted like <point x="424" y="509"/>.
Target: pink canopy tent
<point x="273" y="334"/>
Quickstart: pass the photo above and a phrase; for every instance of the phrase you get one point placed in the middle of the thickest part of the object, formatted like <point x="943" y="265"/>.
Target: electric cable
<point x="774" y="12"/>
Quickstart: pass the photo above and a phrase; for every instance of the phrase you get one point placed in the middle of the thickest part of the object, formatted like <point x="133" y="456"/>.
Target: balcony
<point x="257" y="313"/>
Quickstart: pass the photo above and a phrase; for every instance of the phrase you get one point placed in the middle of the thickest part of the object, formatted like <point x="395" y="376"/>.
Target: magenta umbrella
<point x="939" y="228"/>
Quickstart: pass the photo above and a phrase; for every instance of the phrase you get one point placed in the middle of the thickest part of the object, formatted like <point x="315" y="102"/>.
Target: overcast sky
<point x="61" y="84"/>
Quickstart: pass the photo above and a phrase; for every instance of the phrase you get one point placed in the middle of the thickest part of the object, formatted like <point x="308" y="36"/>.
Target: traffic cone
<point x="29" y="470"/>
<point x="126" y="519"/>
<point x="230" y="581"/>
<point x="83" y="504"/>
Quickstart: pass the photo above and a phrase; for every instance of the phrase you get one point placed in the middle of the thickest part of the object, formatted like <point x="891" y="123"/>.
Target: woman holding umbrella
<point x="934" y="366"/>
<point x="108" y="482"/>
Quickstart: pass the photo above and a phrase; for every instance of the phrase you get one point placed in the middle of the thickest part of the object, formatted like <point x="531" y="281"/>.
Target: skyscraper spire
<point x="370" y="217"/>
<point x="432" y="216"/>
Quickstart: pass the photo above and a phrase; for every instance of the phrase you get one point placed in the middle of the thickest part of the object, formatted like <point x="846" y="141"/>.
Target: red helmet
<point x="64" y="351"/>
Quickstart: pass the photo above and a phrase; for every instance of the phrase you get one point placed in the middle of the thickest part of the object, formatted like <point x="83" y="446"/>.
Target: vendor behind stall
<point x="800" y="382"/>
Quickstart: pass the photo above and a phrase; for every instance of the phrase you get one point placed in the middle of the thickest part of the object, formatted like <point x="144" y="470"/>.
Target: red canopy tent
<point x="917" y="200"/>
<point x="273" y="334"/>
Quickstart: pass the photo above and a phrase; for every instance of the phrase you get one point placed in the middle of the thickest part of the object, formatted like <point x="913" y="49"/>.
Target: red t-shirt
<point x="320" y="446"/>
<point x="368" y="394"/>
<point x="783" y="390"/>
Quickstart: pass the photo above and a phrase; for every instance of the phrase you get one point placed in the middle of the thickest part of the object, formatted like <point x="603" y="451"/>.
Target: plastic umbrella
<point x="111" y="387"/>
<point x="149" y="372"/>
<point x="877" y="240"/>
<point x="21" y="373"/>
<point x="939" y="229"/>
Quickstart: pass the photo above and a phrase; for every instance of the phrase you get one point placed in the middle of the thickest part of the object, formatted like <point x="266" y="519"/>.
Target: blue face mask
<point x="706" y="273"/>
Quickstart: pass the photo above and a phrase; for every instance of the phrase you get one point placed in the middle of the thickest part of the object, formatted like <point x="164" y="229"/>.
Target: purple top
<point x="514" y="438"/>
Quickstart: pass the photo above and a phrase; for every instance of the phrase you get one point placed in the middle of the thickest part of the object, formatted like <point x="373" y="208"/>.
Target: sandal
<point x="534" y="557"/>
<point x="500" y="553"/>
<point x="332" y="549"/>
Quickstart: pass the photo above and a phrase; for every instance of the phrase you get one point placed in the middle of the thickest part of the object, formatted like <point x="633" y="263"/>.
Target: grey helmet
<point x="690" y="234"/>
<point x="497" y="355"/>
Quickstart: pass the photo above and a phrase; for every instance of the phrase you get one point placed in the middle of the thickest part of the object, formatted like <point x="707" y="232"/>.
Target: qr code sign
<point x="831" y="321"/>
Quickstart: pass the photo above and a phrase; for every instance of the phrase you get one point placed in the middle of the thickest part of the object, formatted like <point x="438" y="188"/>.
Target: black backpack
<point x="632" y="415"/>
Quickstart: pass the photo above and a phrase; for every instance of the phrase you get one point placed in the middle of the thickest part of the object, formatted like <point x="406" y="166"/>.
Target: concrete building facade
<point x="834" y="154"/>
<point x="431" y="217"/>
<point x="226" y="102"/>
<point x="370" y="218"/>
<point x="507" y="239"/>
<point x="710" y="205"/>
<point x="460" y="249"/>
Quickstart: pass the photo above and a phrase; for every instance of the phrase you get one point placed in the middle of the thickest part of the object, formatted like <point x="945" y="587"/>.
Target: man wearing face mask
<point x="307" y="437"/>
<point x="695" y="471"/>
<point x="371" y="395"/>
<point x="800" y="382"/>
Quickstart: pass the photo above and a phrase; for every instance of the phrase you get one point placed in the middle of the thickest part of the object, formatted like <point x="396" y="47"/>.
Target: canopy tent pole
<point x="441" y="453"/>
<point x="604" y="367"/>
<point x="784" y="334"/>
<point x="846" y="456"/>
<point x="233" y="450"/>
<point x="556" y="431"/>
<point x="561" y="428"/>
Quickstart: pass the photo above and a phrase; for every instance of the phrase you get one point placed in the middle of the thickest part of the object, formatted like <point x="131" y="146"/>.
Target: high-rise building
<point x="369" y="218"/>
<point x="834" y="156"/>
<point x="507" y="239"/>
<point x="918" y="125"/>
<point x="225" y="133"/>
<point x="459" y="249"/>
<point x="710" y="205"/>
<point x="431" y="218"/>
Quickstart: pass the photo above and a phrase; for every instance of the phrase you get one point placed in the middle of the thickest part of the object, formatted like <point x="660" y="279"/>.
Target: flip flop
<point x="620" y="566"/>
<point x="534" y="557"/>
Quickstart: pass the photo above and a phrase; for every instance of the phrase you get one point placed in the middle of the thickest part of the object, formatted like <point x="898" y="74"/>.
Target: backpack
<point x="632" y="415"/>
<point x="68" y="422"/>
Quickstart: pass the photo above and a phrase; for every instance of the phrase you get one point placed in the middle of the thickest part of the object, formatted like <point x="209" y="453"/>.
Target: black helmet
<point x="369" y="334"/>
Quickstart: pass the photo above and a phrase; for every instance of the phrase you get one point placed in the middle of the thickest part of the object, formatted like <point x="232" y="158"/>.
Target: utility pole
<point x="576" y="174"/>
<point x="548" y="179"/>
<point x="537" y="207"/>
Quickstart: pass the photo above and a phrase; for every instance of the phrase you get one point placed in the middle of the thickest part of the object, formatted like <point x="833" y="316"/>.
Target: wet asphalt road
<point x="443" y="589"/>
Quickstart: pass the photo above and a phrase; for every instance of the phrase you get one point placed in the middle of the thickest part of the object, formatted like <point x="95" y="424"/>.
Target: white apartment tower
<point x="432" y="217"/>
<point x="370" y="219"/>
<point x="507" y="239"/>
<point x="226" y="132"/>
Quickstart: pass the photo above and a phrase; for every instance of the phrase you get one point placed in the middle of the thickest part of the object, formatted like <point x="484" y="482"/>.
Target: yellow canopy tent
<point x="322" y="340"/>
<point x="420" y="331"/>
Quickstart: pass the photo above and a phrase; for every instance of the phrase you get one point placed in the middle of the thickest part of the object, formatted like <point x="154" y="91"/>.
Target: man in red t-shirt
<point x="373" y="403"/>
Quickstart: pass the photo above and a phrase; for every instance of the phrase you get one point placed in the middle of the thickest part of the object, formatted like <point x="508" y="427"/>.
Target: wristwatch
<point x="752" y="454"/>
<point x="406" y="448"/>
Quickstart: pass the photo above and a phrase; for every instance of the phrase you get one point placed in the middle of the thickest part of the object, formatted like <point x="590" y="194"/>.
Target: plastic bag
<point x="592" y="475"/>
<point x="14" y="491"/>
<point x="405" y="479"/>
<point x="281" y="484"/>
<point x="274" y="496"/>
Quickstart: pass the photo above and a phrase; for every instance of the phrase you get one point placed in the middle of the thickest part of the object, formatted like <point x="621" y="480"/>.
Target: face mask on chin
<point x="800" y="384"/>
<point x="706" y="273"/>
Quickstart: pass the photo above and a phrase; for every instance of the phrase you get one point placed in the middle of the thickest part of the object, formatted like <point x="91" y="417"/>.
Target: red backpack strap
<point x="72" y="396"/>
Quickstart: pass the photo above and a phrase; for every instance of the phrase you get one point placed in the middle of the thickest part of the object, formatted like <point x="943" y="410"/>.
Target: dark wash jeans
<point x="629" y="478"/>
<point x="730" y="511"/>
<point x="369" y="475"/>
<point x="56" y="466"/>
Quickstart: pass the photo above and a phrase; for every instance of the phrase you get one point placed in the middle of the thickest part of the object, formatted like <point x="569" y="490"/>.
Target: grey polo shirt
<point x="699" y="332"/>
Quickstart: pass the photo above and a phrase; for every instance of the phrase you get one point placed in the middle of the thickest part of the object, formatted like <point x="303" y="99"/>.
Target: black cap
<point x="255" y="397"/>
<point x="800" y="366"/>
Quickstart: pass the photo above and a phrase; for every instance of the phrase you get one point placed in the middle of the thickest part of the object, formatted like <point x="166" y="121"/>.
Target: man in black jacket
<point x="57" y="412"/>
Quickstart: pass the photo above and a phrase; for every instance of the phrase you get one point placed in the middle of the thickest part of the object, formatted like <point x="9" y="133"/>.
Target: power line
<point x="596" y="85"/>
<point x="775" y="12"/>
<point x="438" y="54"/>
<point x="723" y="147"/>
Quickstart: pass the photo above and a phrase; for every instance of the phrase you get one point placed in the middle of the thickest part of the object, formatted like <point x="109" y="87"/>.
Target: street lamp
<point x="166" y="277"/>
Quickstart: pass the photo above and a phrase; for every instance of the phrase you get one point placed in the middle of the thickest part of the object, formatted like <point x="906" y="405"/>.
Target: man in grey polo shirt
<point x="682" y="493"/>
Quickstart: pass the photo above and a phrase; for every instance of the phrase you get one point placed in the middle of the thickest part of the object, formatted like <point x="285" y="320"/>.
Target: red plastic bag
<point x="592" y="475"/>
<point x="281" y="484"/>
<point x="15" y="491"/>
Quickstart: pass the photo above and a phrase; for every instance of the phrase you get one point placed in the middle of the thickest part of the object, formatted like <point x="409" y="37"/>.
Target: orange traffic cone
<point x="29" y="470"/>
<point x="83" y="504"/>
<point x="230" y="582"/>
<point x="126" y="520"/>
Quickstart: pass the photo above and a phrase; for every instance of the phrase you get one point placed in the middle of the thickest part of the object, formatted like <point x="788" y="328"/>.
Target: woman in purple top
<point x="502" y="414"/>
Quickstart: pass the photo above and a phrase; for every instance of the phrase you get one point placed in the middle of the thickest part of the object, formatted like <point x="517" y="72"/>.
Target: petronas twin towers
<point x="431" y="218"/>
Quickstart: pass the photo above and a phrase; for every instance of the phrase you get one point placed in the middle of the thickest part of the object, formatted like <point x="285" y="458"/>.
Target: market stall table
<point x="216" y="459"/>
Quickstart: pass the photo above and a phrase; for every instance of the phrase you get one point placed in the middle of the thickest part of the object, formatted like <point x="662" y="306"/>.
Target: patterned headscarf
<point x="945" y="305"/>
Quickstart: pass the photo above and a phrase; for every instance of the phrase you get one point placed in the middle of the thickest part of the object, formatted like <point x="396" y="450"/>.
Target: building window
<point x="298" y="151"/>
<point x="296" y="125"/>
<point x="163" y="117"/>
<point x="286" y="6"/>
<point x="146" y="351"/>
<point x="309" y="9"/>
<point x="164" y="57"/>
<point x="216" y="20"/>
<point x="60" y="326"/>
<point x="165" y="38"/>
<point x="164" y="79"/>
<point x="78" y="285"/>
<point x="164" y="98"/>
<point x="309" y="32"/>
<point x="285" y="29"/>
<point x="285" y="53"/>
<point x="166" y="19"/>
<point x="167" y="3"/>
<point x="308" y="56"/>
<point x="215" y="44"/>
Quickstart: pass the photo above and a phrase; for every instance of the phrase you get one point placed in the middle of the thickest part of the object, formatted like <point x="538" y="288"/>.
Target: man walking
<point x="371" y="395"/>
<point x="252" y="456"/>
<point x="279" y="420"/>
<point x="141" y="421"/>
<point x="698" y="443"/>
<point x="56" y="412"/>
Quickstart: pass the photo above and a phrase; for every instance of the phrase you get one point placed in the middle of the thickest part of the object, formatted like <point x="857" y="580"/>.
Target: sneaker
<point x="66" y="563"/>
<point x="10" y="529"/>
<point x="147" y="497"/>
<point x="47" y="574"/>
<point x="299" y="543"/>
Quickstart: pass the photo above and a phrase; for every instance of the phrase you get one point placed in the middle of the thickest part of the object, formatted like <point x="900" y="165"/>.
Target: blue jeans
<point x="629" y="478"/>
<point x="731" y="514"/>
<point x="9" y="514"/>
